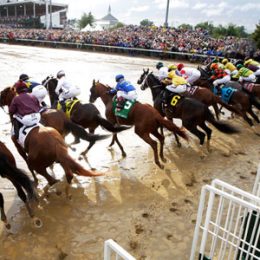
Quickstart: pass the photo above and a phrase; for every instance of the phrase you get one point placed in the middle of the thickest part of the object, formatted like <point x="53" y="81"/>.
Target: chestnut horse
<point x="144" y="117"/>
<point x="85" y="115"/>
<point x="21" y="182"/>
<point x="43" y="147"/>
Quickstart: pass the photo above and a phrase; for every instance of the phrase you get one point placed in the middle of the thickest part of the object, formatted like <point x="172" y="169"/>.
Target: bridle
<point x="145" y="82"/>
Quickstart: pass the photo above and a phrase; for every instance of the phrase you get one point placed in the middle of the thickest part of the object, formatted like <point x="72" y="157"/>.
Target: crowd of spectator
<point x="196" y="41"/>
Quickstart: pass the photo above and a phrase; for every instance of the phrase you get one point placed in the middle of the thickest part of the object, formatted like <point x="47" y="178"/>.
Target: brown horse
<point x="85" y="115"/>
<point x="21" y="182"/>
<point x="43" y="147"/>
<point x="144" y="117"/>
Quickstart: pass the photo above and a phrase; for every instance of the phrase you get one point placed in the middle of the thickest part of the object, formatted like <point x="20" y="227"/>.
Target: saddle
<point x="69" y="104"/>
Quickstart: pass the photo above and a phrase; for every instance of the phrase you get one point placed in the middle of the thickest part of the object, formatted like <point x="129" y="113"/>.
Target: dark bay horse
<point x="144" y="117"/>
<point x="21" y="182"/>
<point x="203" y="95"/>
<point x="192" y="112"/>
<point x="85" y="115"/>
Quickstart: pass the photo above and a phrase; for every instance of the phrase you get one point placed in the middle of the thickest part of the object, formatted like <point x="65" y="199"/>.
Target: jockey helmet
<point x="60" y="74"/>
<point x="172" y="67"/>
<point x="159" y="65"/>
<point x="214" y="66"/>
<point x="118" y="77"/>
<point x="180" y="66"/>
<point x="239" y="66"/>
<point x="224" y="61"/>
<point x="23" y="77"/>
<point x="20" y="86"/>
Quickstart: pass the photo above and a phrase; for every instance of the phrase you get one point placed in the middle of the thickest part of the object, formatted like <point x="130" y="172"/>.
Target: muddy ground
<point x="148" y="211"/>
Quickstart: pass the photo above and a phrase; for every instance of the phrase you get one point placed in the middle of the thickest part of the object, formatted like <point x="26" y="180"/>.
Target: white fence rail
<point x="227" y="225"/>
<point x="112" y="247"/>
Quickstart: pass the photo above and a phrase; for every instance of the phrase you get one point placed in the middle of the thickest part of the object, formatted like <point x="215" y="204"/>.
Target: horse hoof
<point x="69" y="197"/>
<point x="8" y="226"/>
<point x="179" y="145"/>
<point x="58" y="193"/>
<point x="123" y="154"/>
<point x="164" y="160"/>
<point x="160" y="166"/>
<point x="37" y="223"/>
<point x="73" y="149"/>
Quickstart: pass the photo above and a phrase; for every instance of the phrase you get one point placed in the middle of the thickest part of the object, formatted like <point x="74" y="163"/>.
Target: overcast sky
<point x="239" y="12"/>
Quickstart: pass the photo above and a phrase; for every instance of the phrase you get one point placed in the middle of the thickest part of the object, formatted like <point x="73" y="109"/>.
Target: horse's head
<point x="50" y="83"/>
<point x="6" y="96"/>
<point x="93" y="92"/>
<point x="142" y="77"/>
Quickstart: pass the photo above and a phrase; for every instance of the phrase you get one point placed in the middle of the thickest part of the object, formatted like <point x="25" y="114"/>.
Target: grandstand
<point x="32" y="14"/>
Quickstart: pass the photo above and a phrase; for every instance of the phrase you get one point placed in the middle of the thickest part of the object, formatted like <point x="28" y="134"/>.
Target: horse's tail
<point x="81" y="133"/>
<point x="172" y="127"/>
<point x="109" y="126"/>
<point x="220" y="125"/>
<point x="69" y="163"/>
<point x="228" y="107"/>
<point x="16" y="175"/>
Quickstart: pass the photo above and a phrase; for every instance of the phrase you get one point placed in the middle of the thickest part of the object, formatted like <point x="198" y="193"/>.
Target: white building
<point x="107" y="21"/>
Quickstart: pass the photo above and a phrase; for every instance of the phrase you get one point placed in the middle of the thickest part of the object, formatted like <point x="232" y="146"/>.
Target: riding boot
<point x="63" y="105"/>
<point x="43" y="104"/>
<point x="165" y="97"/>
<point x="17" y="125"/>
<point x="120" y="103"/>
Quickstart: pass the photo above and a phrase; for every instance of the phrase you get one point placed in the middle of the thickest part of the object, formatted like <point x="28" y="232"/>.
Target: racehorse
<point x="85" y="115"/>
<point x="21" y="182"/>
<point x="192" y="112"/>
<point x="56" y="119"/>
<point x="144" y="117"/>
<point x="43" y="147"/>
<point x="239" y="99"/>
<point x="201" y="94"/>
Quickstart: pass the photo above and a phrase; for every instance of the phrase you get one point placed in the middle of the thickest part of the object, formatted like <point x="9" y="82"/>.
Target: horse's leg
<point x="69" y="177"/>
<point x="91" y="143"/>
<point x="209" y="132"/>
<point x="216" y="109"/>
<point x="2" y="211"/>
<point x="24" y="155"/>
<point x="161" y="139"/>
<point x="115" y="139"/>
<point x="37" y="222"/>
<point x="146" y="137"/>
<point x="251" y="112"/>
<point x="193" y="129"/>
<point x="247" y="119"/>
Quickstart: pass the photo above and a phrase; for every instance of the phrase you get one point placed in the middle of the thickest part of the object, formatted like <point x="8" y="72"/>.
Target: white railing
<point x="227" y="224"/>
<point x="112" y="247"/>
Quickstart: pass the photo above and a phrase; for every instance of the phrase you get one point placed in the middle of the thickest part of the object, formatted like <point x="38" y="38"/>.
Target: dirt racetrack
<point x="148" y="211"/>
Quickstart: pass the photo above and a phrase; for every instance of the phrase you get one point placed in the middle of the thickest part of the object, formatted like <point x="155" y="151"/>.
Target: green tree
<point x="118" y="25"/>
<point x="86" y="19"/>
<point x="256" y="35"/>
<point x="146" y="22"/>
<point x="185" y="26"/>
<point x="206" y="26"/>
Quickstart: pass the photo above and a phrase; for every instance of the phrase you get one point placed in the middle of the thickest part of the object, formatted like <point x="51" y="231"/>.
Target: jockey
<point x="65" y="89"/>
<point x="229" y="67"/>
<point x="251" y="62"/>
<point x="218" y="75"/>
<point x="254" y="68"/>
<point x="190" y="74"/>
<point x="124" y="90"/>
<point x="163" y="71"/>
<point x="24" y="108"/>
<point x="245" y="74"/>
<point x="178" y="84"/>
<point x="37" y="89"/>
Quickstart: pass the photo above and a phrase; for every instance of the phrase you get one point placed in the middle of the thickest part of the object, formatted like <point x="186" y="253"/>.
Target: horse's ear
<point x="94" y="82"/>
<point x="144" y="70"/>
<point x="98" y="81"/>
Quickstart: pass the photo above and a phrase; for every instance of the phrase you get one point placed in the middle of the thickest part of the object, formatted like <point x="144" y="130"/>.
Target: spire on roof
<point x="109" y="9"/>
